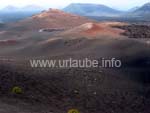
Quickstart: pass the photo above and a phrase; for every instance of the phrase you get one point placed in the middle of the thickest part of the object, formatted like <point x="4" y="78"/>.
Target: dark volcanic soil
<point x="136" y="31"/>
<point x="57" y="91"/>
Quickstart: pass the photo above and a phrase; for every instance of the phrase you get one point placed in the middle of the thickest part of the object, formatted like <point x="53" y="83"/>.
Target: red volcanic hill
<point x="53" y="18"/>
<point x="96" y="29"/>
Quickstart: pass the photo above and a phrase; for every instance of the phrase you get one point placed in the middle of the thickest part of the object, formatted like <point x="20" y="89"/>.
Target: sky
<point x="118" y="4"/>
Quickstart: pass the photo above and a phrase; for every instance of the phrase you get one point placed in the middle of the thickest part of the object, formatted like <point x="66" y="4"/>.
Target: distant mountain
<point x="30" y="8"/>
<point x="10" y="8"/>
<point x="143" y="11"/>
<point x="12" y="14"/>
<point x="91" y="10"/>
<point x="133" y="9"/>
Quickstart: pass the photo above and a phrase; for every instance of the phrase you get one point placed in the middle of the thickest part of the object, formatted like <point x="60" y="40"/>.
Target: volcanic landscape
<point x="55" y="34"/>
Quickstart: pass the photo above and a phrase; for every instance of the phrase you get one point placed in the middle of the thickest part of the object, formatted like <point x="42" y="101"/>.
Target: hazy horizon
<point x="117" y="4"/>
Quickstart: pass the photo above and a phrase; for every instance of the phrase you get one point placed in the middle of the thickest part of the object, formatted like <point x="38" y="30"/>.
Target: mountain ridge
<point x="11" y="8"/>
<point x="143" y="11"/>
<point x="91" y="9"/>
